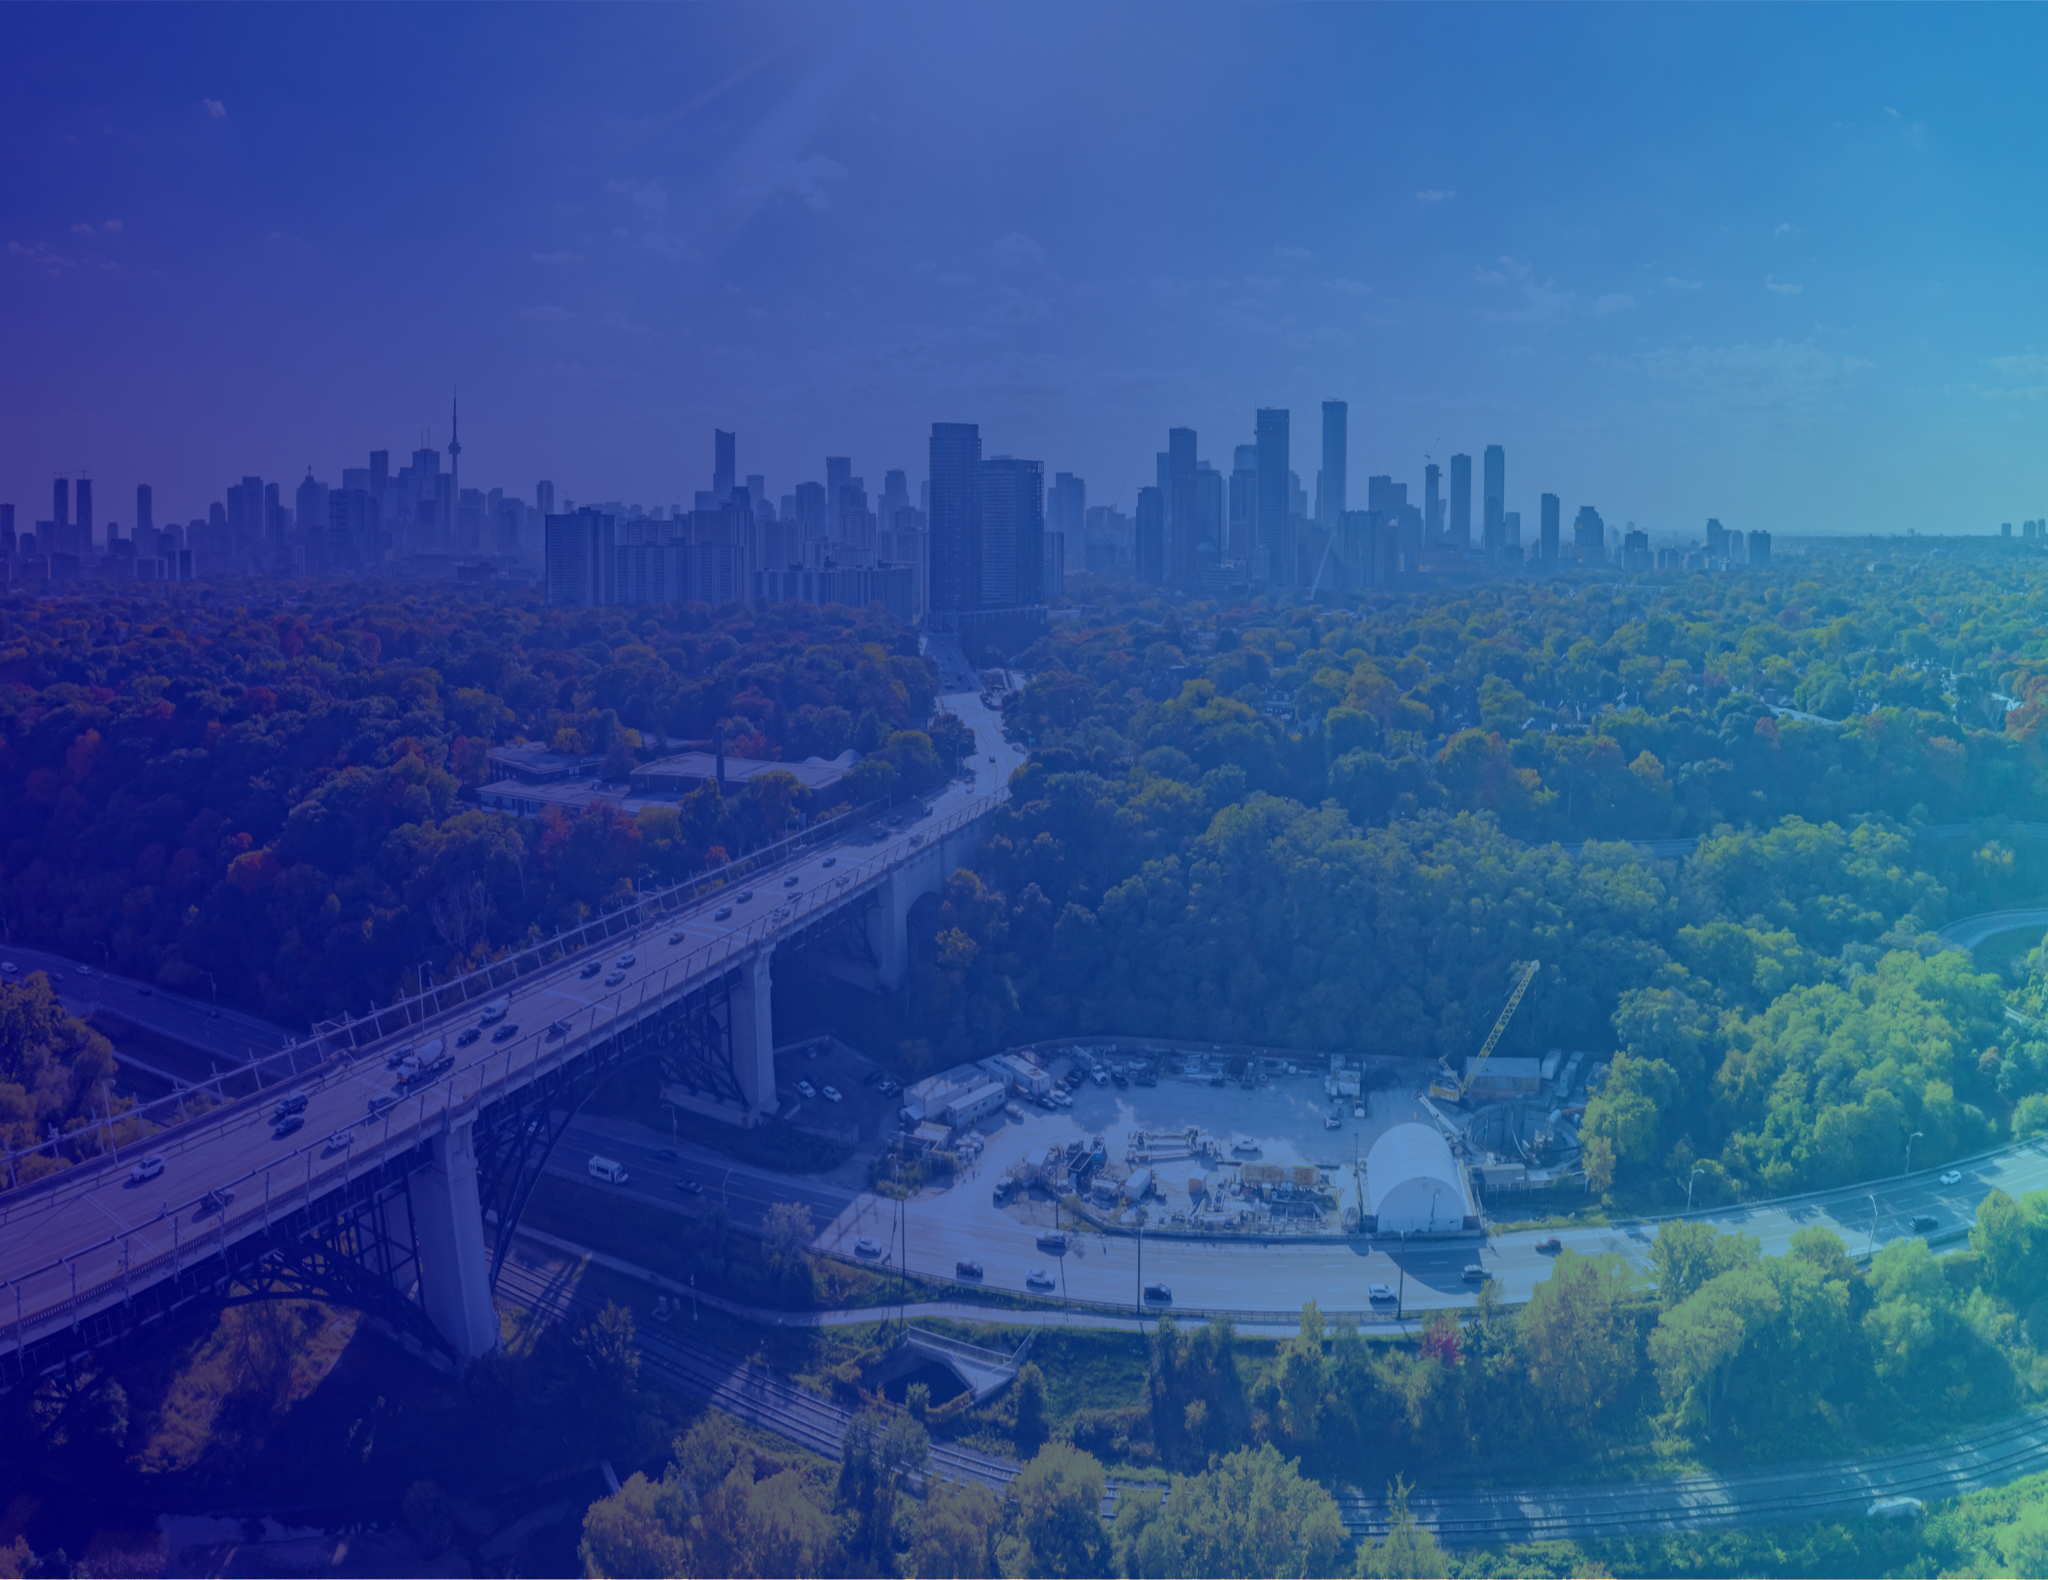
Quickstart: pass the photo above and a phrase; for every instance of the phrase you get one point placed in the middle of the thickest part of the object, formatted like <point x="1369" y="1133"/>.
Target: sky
<point x="1781" y="266"/>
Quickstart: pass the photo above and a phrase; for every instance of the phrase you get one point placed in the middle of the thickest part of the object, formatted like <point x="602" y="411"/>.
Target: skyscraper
<point x="1330" y="495"/>
<point x="955" y="543"/>
<point x="1433" y="502"/>
<point x="60" y="520"/>
<point x="1495" y="517"/>
<point x="81" y="532"/>
<point x="724" y="465"/>
<point x="1274" y="526"/>
<point x="1012" y="533"/>
<point x="1460" y="535"/>
<point x="1066" y="506"/>
<point x="145" y="507"/>
<point x="1589" y="536"/>
<point x="1183" y="517"/>
<point x="1549" y="528"/>
<point x="1243" y="538"/>
<point x="1150" y="555"/>
<point x="454" y="479"/>
<point x="544" y="498"/>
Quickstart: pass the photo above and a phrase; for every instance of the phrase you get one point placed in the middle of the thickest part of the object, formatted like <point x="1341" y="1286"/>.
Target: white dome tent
<point x="1414" y="1185"/>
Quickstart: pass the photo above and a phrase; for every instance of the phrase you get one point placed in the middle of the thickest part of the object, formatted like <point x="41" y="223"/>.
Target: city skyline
<point x="650" y="224"/>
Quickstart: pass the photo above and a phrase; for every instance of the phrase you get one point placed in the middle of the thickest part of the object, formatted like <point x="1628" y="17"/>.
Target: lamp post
<point x="1873" y="1223"/>
<point x="1698" y="1170"/>
<point x="1915" y="1136"/>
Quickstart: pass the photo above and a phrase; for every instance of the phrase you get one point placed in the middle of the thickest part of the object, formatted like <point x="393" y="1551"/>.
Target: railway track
<point x="1476" y="1517"/>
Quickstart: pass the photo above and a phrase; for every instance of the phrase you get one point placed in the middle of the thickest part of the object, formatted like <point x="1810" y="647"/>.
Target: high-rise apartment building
<point x="955" y="516"/>
<point x="1547" y="546"/>
<point x="1012" y="533"/>
<point x="1759" y="548"/>
<point x="81" y="530"/>
<point x="1066" y="506"/>
<point x="579" y="560"/>
<point x="1330" y="492"/>
<point x="1209" y="515"/>
<point x="724" y="464"/>
<point x="1433" y="503"/>
<point x="1589" y="536"/>
<point x="1150" y="554"/>
<point x="1183" y="518"/>
<point x="145" y="507"/>
<point x="1275" y="523"/>
<point x="544" y="499"/>
<point x="1494" y="500"/>
<point x="1241" y="543"/>
<point x="1460" y="534"/>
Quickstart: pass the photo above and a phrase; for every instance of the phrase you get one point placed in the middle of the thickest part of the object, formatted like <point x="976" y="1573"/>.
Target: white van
<point x="610" y="1170"/>
<point x="495" y="1011"/>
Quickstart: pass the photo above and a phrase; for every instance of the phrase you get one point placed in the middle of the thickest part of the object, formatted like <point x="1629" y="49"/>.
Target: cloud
<point x="547" y="315"/>
<point x="558" y="257"/>
<point x="1673" y="282"/>
<point x="1542" y="302"/>
<point x="1750" y="377"/>
<point x="673" y="248"/>
<point x="1613" y="302"/>
<point x="1293" y="254"/>
<point x="1780" y="287"/>
<point x="1017" y="307"/>
<point x="804" y="179"/>
<point x="1786" y="229"/>
<point x="111" y="227"/>
<point x="1488" y="276"/>
<point x="1352" y="287"/>
<point x="2022" y="364"/>
<point x="82" y="229"/>
<point x="215" y="109"/>
<point x="647" y="196"/>
<point x="1436" y="194"/>
<point x="619" y="321"/>
<point x="1016" y="249"/>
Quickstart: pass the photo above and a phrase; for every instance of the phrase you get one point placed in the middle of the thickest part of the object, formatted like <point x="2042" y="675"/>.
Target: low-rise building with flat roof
<point x="673" y="777"/>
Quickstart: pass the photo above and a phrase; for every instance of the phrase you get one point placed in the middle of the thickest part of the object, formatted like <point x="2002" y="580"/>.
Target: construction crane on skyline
<point x="1449" y="1087"/>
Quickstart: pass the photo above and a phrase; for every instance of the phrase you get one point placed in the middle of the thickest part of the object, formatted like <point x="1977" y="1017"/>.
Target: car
<point x="591" y="970"/>
<point x="1332" y="1122"/>
<point x="217" y="1200"/>
<point x="831" y="1094"/>
<point x="495" y="1011"/>
<point x="557" y="1029"/>
<point x="341" y="1141"/>
<point x="841" y="881"/>
<point x="54" y="976"/>
<point x="744" y="895"/>
<point x="668" y="1154"/>
<point x="1046" y="1103"/>
<point x="722" y="913"/>
<point x="1550" y="1245"/>
<point x="1122" y="1080"/>
<point x="1379" y="1292"/>
<point x="967" y="1269"/>
<point x="1952" y="1177"/>
<point x="381" y="1099"/>
<point x="829" y="861"/>
<point x="1053" y="1240"/>
<point x="1159" y="1294"/>
<point x="790" y="882"/>
<point x="813" y="1051"/>
<point x="1038" y="1278"/>
<point x="295" y="1104"/>
<point x="469" y="1035"/>
<point x="613" y="979"/>
<point x="676" y="937"/>
<point x="1896" y="1508"/>
<point x="627" y="959"/>
<point x="889" y="1088"/>
<point x="866" y="1246"/>
<point x="85" y="971"/>
<point x="147" y="1168"/>
<point x="1922" y="1222"/>
<point x="806" y="1088"/>
<point x="9" y="967"/>
<point x="870" y="1078"/>
<point x="991" y="759"/>
<point x="288" y="1125"/>
<point x="1475" y="1274"/>
<point x="689" y="1187"/>
<point x="506" y="1032"/>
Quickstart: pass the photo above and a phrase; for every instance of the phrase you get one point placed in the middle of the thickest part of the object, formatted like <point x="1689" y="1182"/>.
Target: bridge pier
<point x="455" y="1264"/>
<point x="752" y="1029"/>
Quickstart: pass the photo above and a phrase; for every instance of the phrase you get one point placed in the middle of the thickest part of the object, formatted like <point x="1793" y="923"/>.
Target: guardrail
<point x="469" y="1086"/>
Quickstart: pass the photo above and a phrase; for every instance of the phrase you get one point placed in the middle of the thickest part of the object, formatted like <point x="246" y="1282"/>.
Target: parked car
<point x="147" y="1168"/>
<point x="806" y="1088"/>
<point x="506" y="1032"/>
<point x="866" y="1246"/>
<point x="1038" y="1278"/>
<point x="889" y="1088"/>
<point x="832" y="1094"/>
<point x="967" y="1269"/>
<point x="870" y="1078"/>
<point x="1332" y="1122"/>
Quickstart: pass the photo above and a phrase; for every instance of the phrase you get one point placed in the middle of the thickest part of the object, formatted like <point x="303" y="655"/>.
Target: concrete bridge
<point x="397" y="1189"/>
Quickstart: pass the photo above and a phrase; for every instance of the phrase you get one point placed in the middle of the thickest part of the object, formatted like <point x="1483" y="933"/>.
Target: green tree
<point x="1028" y="1408"/>
<point x="956" y="1535"/>
<point x="1686" y="1255"/>
<point x="1253" y="1514"/>
<point x="1579" y="1337"/>
<point x="1059" y="1499"/>
<point x="1410" y="1551"/>
<point x="640" y="1530"/>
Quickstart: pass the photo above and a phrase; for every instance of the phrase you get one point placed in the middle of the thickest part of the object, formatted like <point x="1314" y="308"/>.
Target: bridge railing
<point x="313" y="1168"/>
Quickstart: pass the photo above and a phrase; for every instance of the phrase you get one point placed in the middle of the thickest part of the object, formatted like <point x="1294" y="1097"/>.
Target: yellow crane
<point x="1448" y="1086"/>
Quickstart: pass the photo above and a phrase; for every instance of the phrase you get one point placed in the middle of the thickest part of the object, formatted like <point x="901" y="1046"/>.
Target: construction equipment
<point x="1448" y="1087"/>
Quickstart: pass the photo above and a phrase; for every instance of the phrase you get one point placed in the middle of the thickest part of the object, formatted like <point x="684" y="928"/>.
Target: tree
<point x="1059" y="1498"/>
<point x="1028" y="1405"/>
<point x="640" y="1530"/>
<point x="876" y="1453"/>
<point x="1579" y="1338"/>
<point x="1410" y="1551"/>
<point x="605" y="1345"/>
<point x="956" y="1536"/>
<point x="760" y="1530"/>
<point x="1687" y="1255"/>
<point x="1254" y="1514"/>
<point x="786" y="1236"/>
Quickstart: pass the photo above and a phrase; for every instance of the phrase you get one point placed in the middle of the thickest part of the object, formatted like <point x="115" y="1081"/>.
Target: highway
<point x="84" y="1235"/>
<point x="229" y="1035"/>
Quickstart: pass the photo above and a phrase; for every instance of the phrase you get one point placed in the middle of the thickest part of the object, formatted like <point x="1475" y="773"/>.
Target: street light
<point x="1915" y="1136"/>
<point x="1698" y="1170"/>
<point x="1873" y="1224"/>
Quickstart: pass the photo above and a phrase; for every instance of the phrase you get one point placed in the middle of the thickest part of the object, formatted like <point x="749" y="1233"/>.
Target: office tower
<point x="60" y="518"/>
<point x="1549" y="527"/>
<point x="1273" y="524"/>
<point x="1208" y="514"/>
<point x="81" y="530"/>
<point x="757" y="490"/>
<point x="1055" y="566"/>
<point x="1012" y="533"/>
<point x="1183" y="524"/>
<point x="1589" y="536"/>
<point x="1759" y="548"/>
<point x="314" y="514"/>
<point x="1432" y="502"/>
<point x="810" y="510"/>
<point x="1494" y="505"/>
<point x="145" y="507"/>
<point x="838" y="473"/>
<point x="454" y="476"/>
<point x="380" y="473"/>
<point x="1461" y="502"/>
<point x="1241" y="544"/>
<point x="1385" y="495"/>
<point x="2004" y="527"/>
<point x="1150" y="554"/>
<point x="955" y="542"/>
<point x="580" y="559"/>
<point x="1330" y="484"/>
<point x="895" y="496"/>
<point x="1066" y="506"/>
<point x="355" y="529"/>
<point x="544" y="498"/>
<point x="724" y="464"/>
<point x="1635" y="550"/>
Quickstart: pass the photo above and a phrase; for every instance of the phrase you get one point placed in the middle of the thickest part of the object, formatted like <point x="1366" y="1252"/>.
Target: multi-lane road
<point x="230" y="1036"/>
<point x="91" y="1227"/>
